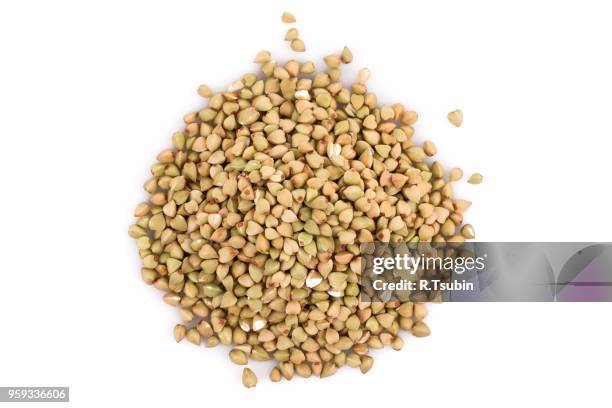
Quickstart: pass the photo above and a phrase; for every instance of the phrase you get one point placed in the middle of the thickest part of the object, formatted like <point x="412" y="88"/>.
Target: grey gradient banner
<point x="488" y="272"/>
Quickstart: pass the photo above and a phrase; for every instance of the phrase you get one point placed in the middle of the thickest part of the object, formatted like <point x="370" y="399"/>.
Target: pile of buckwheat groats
<point x="256" y="214"/>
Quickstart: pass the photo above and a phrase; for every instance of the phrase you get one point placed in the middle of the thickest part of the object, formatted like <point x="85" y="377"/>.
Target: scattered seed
<point x="297" y="45"/>
<point x="204" y="91"/>
<point x="194" y="336"/>
<point x="287" y="18"/>
<point x="307" y="68"/>
<point x="456" y="117"/>
<point x="475" y="178"/>
<point x="262" y="57"/>
<point x="468" y="231"/>
<point x="292" y="34"/>
<point x="430" y="148"/>
<point x="455" y="174"/>
<point x="409" y="118"/>
<point x="249" y="379"/>
<point x="363" y="75"/>
<point x="397" y="343"/>
<point x="328" y="370"/>
<point x="420" y="329"/>
<point x="366" y="364"/>
<point x="275" y="375"/>
<point x="346" y="56"/>
<point x="333" y="61"/>
<point x="420" y="312"/>
<point x="179" y="332"/>
<point x="238" y="357"/>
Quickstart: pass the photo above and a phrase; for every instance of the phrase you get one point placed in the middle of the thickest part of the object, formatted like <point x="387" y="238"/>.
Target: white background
<point x="90" y="91"/>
